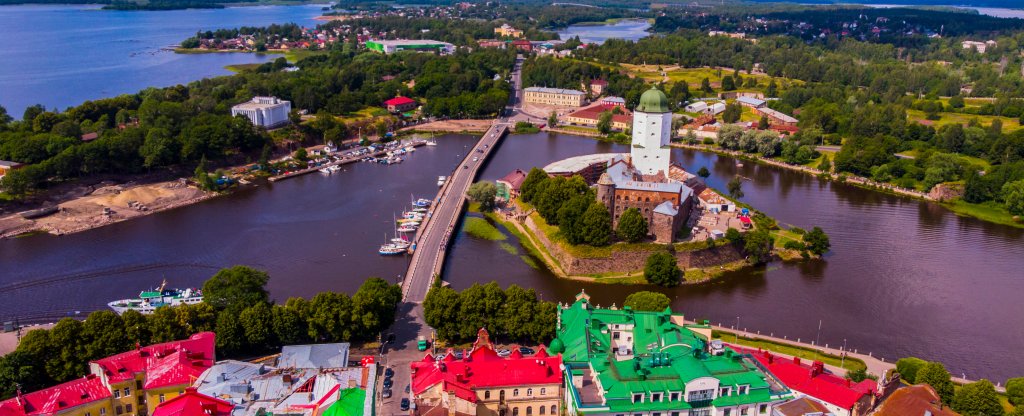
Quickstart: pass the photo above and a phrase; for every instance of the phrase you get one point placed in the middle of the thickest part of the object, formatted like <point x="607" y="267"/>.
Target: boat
<point x="334" y="168"/>
<point x="420" y="210"/>
<point x="431" y="142"/>
<point x="440" y="180"/>
<point x="401" y="242"/>
<point x="325" y="171"/>
<point x="422" y="203"/>
<point x="149" y="300"/>
<point x="391" y="250"/>
<point x="408" y="228"/>
<point x="410" y="221"/>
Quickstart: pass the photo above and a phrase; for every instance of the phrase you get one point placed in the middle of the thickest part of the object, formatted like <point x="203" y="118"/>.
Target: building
<point x="133" y="382"/>
<point x="776" y="118"/>
<point x="507" y="31"/>
<point x="318" y="356"/>
<point x="613" y="100"/>
<point x="751" y="102"/>
<point x="510" y="185"/>
<point x="980" y="47"/>
<point x="713" y="202"/>
<point x="590" y="116"/>
<point x="266" y="112"/>
<point x="491" y="43"/>
<point x="838" y="394"/>
<point x="696" y="107"/>
<point x="554" y="96"/>
<point x="598" y="86"/>
<point x="715" y="109"/>
<point x="400" y="104"/>
<point x="6" y="167"/>
<point x="191" y="403"/>
<point x="484" y="384"/>
<point x="915" y="400"/>
<point x="523" y="45"/>
<point x="801" y="407"/>
<point x="621" y="362"/>
<point x="652" y="133"/>
<point x="389" y="47"/>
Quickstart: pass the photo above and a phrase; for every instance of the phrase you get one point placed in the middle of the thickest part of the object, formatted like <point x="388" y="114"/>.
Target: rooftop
<point x="554" y="91"/>
<point x="778" y="114"/>
<point x="407" y="42"/>
<point x="192" y="403"/>
<point x="400" y="100"/>
<point x="914" y="400"/>
<point x="314" y="356"/>
<point x="594" y="113"/>
<point x="801" y="407"/>
<point x="751" y="101"/>
<point x="514" y="178"/>
<point x="813" y="381"/>
<point x="57" y="398"/>
<point x="261" y="102"/>
<point x="578" y="163"/>
<point x="168" y="364"/>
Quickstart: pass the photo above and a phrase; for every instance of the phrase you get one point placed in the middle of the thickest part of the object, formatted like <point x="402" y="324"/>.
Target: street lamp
<point x="842" y="362"/>
<point x="737" y="330"/>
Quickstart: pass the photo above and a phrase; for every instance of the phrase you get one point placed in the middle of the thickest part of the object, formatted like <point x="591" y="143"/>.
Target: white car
<point x="476" y="159"/>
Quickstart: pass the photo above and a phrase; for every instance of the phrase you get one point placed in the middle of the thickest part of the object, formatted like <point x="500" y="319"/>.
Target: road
<point x="431" y="249"/>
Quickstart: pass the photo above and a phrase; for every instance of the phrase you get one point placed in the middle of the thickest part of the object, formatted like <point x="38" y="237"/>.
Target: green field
<point x="1009" y="124"/>
<point x="481" y="228"/>
<point x="990" y="211"/>
<point x="694" y="76"/>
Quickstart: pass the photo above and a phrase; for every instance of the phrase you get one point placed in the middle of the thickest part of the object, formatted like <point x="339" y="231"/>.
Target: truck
<point x="421" y="343"/>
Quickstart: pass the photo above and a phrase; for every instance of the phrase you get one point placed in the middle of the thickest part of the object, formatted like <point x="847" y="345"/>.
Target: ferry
<point x="149" y="300"/>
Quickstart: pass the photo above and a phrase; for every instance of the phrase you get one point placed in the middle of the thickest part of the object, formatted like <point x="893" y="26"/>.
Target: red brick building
<point x="400" y="104"/>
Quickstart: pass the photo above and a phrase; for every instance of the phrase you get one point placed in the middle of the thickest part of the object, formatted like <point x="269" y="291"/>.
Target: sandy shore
<point x="9" y="340"/>
<point x="107" y="205"/>
<point x="454" y="126"/>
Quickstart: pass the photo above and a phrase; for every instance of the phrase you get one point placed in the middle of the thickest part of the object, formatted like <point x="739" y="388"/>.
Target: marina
<point x="392" y="152"/>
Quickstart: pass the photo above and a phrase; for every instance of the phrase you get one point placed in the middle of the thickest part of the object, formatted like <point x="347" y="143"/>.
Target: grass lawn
<point x="1009" y="124"/>
<point x="480" y="228"/>
<point x="694" y="76"/>
<point x="297" y="55"/>
<point x="241" y="67"/>
<point x="987" y="211"/>
<point x="831" y="156"/>
<point x="804" y="353"/>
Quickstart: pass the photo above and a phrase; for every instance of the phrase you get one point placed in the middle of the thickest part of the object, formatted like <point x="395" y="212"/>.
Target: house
<point x="510" y="185"/>
<point x="713" y="202"/>
<point x="919" y="399"/>
<point x="591" y="115"/>
<point x="523" y="45"/>
<point x="696" y="107"/>
<point x="491" y="43"/>
<point x="801" y="407"/>
<point x="191" y="403"/>
<point x="484" y="384"/>
<point x="776" y="118"/>
<point x="613" y="100"/>
<point x="88" y="137"/>
<point x="6" y="167"/>
<point x="980" y="47"/>
<point x="598" y="86"/>
<point x="554" y="96"/>
<point x="838" y="394"/>
<point x="628" y="362"/>
<point x="751" y="102"/>
<point x="132" y="382"/>
<point x="507" y="31"/>
<point x="400" y="104"/>
<point x="266" y="112"/>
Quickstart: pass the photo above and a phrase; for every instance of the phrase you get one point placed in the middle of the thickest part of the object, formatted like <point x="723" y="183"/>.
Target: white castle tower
<point x="652" y="131"/>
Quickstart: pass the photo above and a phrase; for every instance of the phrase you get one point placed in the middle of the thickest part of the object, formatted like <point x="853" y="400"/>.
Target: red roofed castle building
<point x="130" y="383"/>
<point x="484" y="384"/>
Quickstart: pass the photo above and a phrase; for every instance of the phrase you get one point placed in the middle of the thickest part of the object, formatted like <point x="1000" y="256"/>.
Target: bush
<point x="647" y="301"/>
<point x="661" y="269"/>
<point x="909" y="366"/>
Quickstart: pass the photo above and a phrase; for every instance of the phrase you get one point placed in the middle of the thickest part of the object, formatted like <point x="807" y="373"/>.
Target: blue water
<point x="60" y="55"/>
<point x="631" y="29"/>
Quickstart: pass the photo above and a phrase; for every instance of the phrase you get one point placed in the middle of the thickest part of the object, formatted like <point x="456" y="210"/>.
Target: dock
<point x="343" y="161"/>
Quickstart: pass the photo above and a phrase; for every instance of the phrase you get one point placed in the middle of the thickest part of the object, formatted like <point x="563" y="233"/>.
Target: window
<point x="127" y="391"/>
<point x="638" y="398"/>
<point x="543" y="391"/>
<point x="529" y="392"/>
<point x="656" y="397"/>
<point x="700" y="395"/>
<point x="656" y="414"/>
<point x="487" y="394"/>
<point x="674" y="414"/>
<point x="554" y="409"/>
<point x="162" y="398"/>
<point x="724" y="391"/>
<point x="117" y="410"/>
<point x="515" y="393"/>
<point x="743" y="389"/>
<point x="529" y="410"/>
<point x="117" y="394"/>
<point x="727" y="412"/>
<point x="88" y="413"/>
<point x="515" y="411"/>
<point x="674" y="396"/>
<point x="542" y="409"/>
<point x="763" y="408"/>
<point x="103" y="411"/>
<point x="138" y="384"/>
<point x="743" y="411"/>
<point x="128" y="408"/>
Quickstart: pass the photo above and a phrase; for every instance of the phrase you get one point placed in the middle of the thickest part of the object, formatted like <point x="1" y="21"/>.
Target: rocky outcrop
<point x="946" y="191"/>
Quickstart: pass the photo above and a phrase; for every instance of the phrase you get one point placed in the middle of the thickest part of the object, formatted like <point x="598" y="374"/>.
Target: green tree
<point x="257" y="323"/>
<point x="516" y="313"/>
<point x="825" y="165"/>
<point x="661" y="269"/>
<point x="374" y="306"/>
<point x="705" y="86"/>
<point x="570" y="218"/>
<point x="703" y="172"/>
<point x="236" y="288"/>
<point x="330" y="317"/>
<point x="195" y="318"/>
<point x="728" y="83"/>
<point x="956" y="101"/>
<point x="764" y="123"/>
<point x="553" y="119"/>
<point x="732" y="113"/>
<point x="772" y="90"/>
<point x="5" y="118"/>
<point x="1019" y="410"/>
<point x="733" y="236"/>
<point x="857" y="375"/>
<point x="289" y="327"/>
<point x="441" y="311"/>
<point x="817" y="241"/>
<point x="632" y="226"/>
<point x="735" y="187"/>
<point x="1015" y="391"/>
<point x="301" y="155"/>
<point x="484" y="193"/>
<point x="104" y="331"/>
<point x="908" y="368"/>
<point x="758" y="245"/>
<point x="529" y="187"/>
<point x="1013" y="196"/>
<point x="647" y="301"/>
<point x="934" y="374"/>
<point x="164" y="325"/>
<point x="597" y="225"/>
<point x="604" y="122"/>
<point x="136" y="328"/>
<point x="66" y="360"/>
<point x="977" y="399"/>
<point x="230" y="333"/>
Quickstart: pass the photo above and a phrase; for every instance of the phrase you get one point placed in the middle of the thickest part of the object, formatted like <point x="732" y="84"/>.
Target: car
<point x="479" y="150"/>
<point x="475" y="158"/>
<point x="405" y="404"/>
<point x="386" y="393"/>
<point x="388" y="373"/>
<point x="526" y="351"/>
<point x="504" y="352"/>
<point x="465" y="166"/>
<point x="406" y="388"/>
<point x="388" y="383"/>
<point x="458" y="355"/>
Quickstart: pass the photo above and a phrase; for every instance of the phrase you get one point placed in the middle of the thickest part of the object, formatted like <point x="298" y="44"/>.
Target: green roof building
<point x="620" y="362"/>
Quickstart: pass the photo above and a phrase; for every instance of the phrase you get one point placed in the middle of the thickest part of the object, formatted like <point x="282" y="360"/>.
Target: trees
<point x="764" y="123"/>
<point x="728" y="83"/>
<point x="597" y="225"/>
<point x="1015" y="391"/>
<point x="1013" y="196"/>
<point x="934" y="374"/>
<point x="772" y="90"/>
<point x="257" y="322"/>
<point x="553" y="119"/>
<point x="758" y="245"/>
<point x="647" y="301"/>
<point x="604" y="122"/>
<point x="570" y="218"/>
<point x="817" y="241"/>
<point x="374" y="306"/>
<point x="529" y="186"/>
<point x="516" y="313"/>
<point x="484" y="193"/>
<point x="977" y="399"/>
<point x="236" y="288"/>
<point x="735" y="187"/>
<point x="632" y="226"/>
<point x="703" y="172"/>
<point x="705" y="86"/>
<point x="661" y="269"/>
<point x="732" y="113"/>
<point x="909" y="366"/>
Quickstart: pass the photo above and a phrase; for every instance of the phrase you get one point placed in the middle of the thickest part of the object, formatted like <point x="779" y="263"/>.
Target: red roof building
<point x="591" y="115"/>
<point x="510" y="185"/>
<point x="123" y="383"/>
<point x="523" y="45"/>
<point x="842" y="396"/>
<point x="400" y="104"/>
<point x="194" y="404"/>
<point x="523" y="386"/>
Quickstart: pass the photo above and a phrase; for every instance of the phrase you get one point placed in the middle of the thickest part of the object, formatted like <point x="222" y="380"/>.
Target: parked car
<point x="504" y="352"/>
<point x="388" y="383"/>
<point x="526" y="351"/>
<point x="475" y="158"/>
<point x="406" y="388"/>
<point x="388" y="372"/>
<point x="386" y="394"/>
<point x="405" y="404"/>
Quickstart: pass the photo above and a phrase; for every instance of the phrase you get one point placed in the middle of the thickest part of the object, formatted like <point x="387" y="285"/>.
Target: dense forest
<point x="237" y="307"/>
<point x="183" y="125"/>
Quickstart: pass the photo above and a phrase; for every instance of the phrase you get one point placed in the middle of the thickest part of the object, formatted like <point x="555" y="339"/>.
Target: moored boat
<point x="149" y="300"/>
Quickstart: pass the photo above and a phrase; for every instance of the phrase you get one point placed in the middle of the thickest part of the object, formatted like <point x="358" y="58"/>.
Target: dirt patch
<point x="453" y="126"/>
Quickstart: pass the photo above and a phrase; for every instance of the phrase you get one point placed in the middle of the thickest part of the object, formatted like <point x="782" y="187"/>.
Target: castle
<point x="645" y="178"/>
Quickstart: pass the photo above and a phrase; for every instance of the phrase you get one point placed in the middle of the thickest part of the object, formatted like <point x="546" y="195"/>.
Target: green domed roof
<point x="653" y="101"/>
<point x="556" y="346"/>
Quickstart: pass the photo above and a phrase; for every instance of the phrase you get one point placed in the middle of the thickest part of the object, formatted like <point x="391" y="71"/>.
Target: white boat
<point x="431" y="142"/>
<point x="422" y="202"/>
<point x="334" y="168"/>
<point x="420" y="210"/>
<point x="325" y="171"/>
<point x="408" y="228"/>
<point x="149" y="300"/>
<point x="391" y="250"/>
<point x="440" y="180"/>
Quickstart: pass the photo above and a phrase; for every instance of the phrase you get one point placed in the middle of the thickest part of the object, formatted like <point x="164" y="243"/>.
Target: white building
<point x="696" y="107"/>
<point x="652" y="132"/>
<point x="715" y="109"/>
<point x="981" y="47"/>
<point x="264" y="111"/>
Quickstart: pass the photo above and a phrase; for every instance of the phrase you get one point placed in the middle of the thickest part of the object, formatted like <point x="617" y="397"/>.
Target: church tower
<point x="652" y="131"/>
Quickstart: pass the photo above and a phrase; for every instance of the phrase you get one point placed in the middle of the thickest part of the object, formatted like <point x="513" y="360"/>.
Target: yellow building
<point x="507" y="31"/>
<point x="485" y="384"/>
<point x="554" y="96"/>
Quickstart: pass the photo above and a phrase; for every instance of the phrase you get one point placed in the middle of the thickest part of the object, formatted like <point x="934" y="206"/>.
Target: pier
<point x="342" y="161"/>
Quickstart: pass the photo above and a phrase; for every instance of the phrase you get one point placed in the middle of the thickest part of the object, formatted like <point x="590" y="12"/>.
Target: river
<point x="61" y="55"/>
